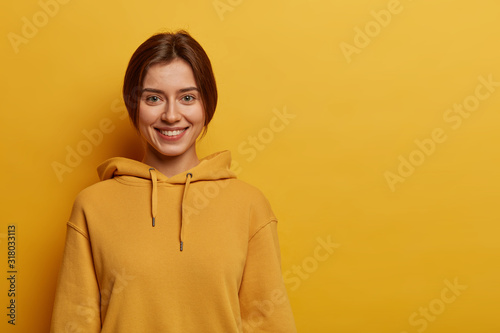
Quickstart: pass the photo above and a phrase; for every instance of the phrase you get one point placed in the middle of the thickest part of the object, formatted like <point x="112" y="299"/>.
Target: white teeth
<point x="172" y="133"/>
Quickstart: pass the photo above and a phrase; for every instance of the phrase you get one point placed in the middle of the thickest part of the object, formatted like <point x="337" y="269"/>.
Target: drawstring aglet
<point x="182" y="245"/>
<point x="153" y="221"/>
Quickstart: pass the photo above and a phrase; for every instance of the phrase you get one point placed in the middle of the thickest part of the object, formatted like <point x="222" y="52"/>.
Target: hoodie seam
<point x="125" y="182"/>
<point x="262" y="227"/>
<point x="148" y="184"/>
<point x="77" y="229"/>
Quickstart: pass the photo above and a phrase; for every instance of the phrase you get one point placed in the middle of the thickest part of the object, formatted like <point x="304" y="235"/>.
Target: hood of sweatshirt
<point x="211" y="168"/>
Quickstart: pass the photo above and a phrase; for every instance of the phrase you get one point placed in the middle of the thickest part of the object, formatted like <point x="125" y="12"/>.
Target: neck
<point x="171" y="165"/>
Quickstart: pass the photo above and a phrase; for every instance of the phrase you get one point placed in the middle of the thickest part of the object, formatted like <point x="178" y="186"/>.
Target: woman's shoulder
<point x="92" y="197"/>
<point x="244" y="188"/>
<point x="96" y="191"/>
<point x="254" y="197"/>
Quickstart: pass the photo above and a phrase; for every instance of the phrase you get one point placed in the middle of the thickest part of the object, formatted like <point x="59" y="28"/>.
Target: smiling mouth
<point x="171" y="133"/>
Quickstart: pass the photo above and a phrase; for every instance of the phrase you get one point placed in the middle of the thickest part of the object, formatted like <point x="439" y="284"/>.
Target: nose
<point x="171" y="113"/>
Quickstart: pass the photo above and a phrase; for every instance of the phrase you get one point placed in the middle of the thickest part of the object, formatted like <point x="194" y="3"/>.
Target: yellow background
<point x="324" y="171"/>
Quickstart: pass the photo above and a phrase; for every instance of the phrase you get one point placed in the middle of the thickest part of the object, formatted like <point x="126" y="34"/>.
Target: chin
<point x="169" y="152"/>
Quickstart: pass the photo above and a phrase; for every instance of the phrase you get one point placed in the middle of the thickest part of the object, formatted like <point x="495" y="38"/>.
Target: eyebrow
<point x="158" y="91"/>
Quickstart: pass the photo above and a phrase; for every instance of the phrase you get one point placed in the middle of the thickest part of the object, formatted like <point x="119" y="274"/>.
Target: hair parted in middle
<point x="163" y="48"/>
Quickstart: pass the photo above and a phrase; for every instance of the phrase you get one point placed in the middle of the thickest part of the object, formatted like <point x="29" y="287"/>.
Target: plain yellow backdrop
<point x="371" y="126"/>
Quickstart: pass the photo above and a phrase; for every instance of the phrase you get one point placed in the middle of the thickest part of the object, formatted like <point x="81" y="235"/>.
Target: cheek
<point x="198" y="117"/>
<point x="144" y="120"/>
<point x="146" y="116"/>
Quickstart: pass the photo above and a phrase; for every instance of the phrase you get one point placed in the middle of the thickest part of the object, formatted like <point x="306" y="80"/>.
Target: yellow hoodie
<point x="197" y="252"/>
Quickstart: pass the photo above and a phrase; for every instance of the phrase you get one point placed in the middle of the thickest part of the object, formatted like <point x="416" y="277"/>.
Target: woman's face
<point x="171" y="113"/>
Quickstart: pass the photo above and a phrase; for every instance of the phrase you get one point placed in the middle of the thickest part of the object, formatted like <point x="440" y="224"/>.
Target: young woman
<point x="173" y="243"/>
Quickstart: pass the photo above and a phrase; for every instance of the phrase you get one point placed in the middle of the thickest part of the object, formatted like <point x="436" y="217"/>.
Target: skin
<point x="170" y="99"/>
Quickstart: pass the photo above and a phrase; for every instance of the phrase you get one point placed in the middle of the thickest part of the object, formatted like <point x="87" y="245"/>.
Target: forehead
<point x="176" y="73"/>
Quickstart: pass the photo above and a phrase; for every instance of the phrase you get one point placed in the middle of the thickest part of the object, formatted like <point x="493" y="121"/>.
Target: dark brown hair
<point x="163" y="48"/>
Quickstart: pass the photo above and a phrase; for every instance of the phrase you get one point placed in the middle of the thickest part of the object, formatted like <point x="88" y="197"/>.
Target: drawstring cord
<point x="154" y="194"/>
<point x="154" y="201"/>
<point x="189" y="175"/>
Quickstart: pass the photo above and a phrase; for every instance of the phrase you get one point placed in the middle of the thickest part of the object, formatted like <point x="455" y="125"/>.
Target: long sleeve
<point x="264" y="302"/>
<point x="77" y="301"/>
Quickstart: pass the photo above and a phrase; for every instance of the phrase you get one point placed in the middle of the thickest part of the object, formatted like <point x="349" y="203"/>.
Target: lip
<point x="171" y="128"/>
<point x="171" y="138"/>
